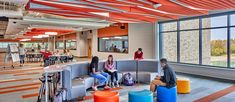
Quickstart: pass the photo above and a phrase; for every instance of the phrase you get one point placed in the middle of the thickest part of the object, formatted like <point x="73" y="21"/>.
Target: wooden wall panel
<point x="115" y="30"/>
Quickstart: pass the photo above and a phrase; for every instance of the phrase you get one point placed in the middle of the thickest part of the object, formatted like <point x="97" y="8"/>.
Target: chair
<point x="183" y="85"/>
<point x="140" y="96"/>
<point x="106" y="96"/>
<point x="64" y="59"/>
<point x="165" y="94"/>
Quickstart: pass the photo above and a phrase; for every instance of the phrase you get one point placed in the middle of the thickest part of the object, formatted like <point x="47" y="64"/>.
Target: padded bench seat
<point x="146" y="77"/>
<point x="143" y="71"/>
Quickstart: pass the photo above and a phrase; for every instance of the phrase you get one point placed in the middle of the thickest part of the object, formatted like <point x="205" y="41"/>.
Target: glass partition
<point x="118" y="44"/>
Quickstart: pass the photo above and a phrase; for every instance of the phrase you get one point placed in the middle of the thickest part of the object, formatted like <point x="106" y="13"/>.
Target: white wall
<point x="141" y="35"/>
<point x="82" y="44"/>
<point x="81" y="50"/>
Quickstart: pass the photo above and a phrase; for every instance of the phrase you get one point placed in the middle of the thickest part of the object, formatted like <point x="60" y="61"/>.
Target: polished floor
<point x="21" y="85"/>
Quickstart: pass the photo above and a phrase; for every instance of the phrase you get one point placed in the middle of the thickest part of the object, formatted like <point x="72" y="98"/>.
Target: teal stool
<point x="140" y="96"/>
<point x="166" y="95"/>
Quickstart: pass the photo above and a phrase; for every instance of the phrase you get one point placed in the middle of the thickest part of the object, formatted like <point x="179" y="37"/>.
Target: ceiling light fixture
<point x="43" y="36"/>
<point x="155" y="10"/>
<point x="25" y="39"/>
<point x="118" y="37"/>
<point x="105" y="38"/>
<point x="37" y="37"/>
<point x="51" y="33"/>
<point x="156" y="5"/>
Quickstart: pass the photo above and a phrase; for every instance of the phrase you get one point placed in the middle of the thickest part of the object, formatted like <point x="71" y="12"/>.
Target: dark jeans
<point x="22" y="59"/>
<point x="113" y="75"/>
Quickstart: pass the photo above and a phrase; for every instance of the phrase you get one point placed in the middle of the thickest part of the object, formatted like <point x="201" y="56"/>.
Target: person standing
<point x="111" y="70"/>
<point x="33" y="48"/>
<point x="168" y="79"/>
<point x="139" y="54"/>
<point x="100" y="75"/>
<point x="22" y="54"/>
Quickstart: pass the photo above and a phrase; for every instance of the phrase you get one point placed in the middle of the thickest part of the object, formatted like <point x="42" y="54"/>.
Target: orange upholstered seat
<point x="183" y="85"/>
<point x="106" y="96"/>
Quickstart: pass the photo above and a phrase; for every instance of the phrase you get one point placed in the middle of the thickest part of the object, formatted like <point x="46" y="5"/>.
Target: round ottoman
<point x="165" y="94"/>
<point x="183" y="85"/>
<point x="106" y="96"/>
<point x="140" y="96"/>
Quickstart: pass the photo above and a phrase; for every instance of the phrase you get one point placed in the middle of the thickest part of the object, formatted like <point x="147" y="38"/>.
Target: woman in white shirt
<point x="22" y="54"/>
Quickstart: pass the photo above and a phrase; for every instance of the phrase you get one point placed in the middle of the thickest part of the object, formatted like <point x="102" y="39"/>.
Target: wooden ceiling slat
<point x="158" y="14"/>
<point x="168" y="4"/>
<point x="130" y="10"/>
<point x="201" y="5"/>
<point x="228" y="3"/>
<point x="217" y="3"/>
<point x="122" y="15"/>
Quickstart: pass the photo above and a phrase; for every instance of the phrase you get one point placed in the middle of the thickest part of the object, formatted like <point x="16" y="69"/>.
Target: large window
<point x="117" y="44"/>
<point x="189" y="46"/>
<point x="205" y="40"/>
<point x="70" y="44"/>
<point x="170" y="46"/>
<point x="59" y="45"/>
<point x="216" y="41"/>
<point x="5" y="44"/>
<point x="232" y="46"/>
<point x="37" y="45"/>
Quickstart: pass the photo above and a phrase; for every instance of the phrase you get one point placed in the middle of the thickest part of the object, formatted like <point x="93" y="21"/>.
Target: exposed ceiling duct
<point x="3" y="26"/>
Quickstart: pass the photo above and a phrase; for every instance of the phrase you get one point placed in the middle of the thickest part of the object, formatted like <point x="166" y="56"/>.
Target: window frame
<point x="200" y="29"/>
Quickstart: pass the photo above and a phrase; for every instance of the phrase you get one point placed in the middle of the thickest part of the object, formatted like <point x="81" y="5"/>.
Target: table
<point x="34" y="56"/>
<point x="52" y="69"/>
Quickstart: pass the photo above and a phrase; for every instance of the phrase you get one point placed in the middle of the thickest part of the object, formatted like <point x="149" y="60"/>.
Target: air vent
<point x="1" y="36"/>
<point x="3" y="25"/>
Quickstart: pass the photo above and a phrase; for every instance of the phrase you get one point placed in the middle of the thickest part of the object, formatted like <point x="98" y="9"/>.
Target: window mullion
<point x="178" y="41"/>
<point x="200" y="40"/>
<point x="228" y="41"/>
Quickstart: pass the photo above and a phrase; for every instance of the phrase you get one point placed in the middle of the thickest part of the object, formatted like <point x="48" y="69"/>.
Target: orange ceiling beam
<point x="134" y="16"/>
<point x="167" y="5"/>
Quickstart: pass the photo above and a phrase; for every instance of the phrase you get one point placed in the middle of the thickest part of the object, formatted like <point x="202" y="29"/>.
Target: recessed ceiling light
<point x="105" y="38"/>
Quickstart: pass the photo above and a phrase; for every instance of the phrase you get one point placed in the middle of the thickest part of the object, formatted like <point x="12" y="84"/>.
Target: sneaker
<point x="94" y="88"/>
<point x="154" y="94"/>
<point x="113" y="86"/>
<point x="117" y="84"/>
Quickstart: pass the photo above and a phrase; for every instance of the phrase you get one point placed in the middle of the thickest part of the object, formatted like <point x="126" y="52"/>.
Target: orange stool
<point x="183" y="85"/>
<point x="106" y="96"/>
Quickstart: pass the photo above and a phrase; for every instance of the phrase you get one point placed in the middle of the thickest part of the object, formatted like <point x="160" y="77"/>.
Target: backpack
<point x="128" y="79"/>
<point x="60" y="96"/>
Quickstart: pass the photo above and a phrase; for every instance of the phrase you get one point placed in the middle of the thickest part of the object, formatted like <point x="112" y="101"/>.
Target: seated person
<point x="46" y="56"/>
<point x="168" y="79"/>
<point x="101" y="76"/>
<point x="57" y="52"/>
<point x="110" y="69"/>
<point x="70" y="55"/>
<point x="139" y="54"/>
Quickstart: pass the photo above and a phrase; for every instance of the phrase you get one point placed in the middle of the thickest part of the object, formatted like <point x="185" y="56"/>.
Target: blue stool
<point x="140" y="96"/>
<point x="166" y="95"/>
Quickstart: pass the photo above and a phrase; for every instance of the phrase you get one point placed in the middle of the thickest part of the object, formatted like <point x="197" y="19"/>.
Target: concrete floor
<point x="200" y="86"/>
